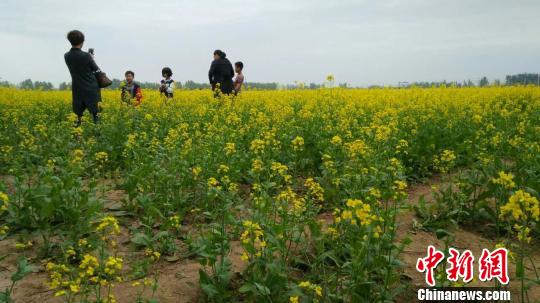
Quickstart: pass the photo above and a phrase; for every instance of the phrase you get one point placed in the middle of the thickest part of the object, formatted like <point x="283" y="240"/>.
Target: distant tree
<point x="523" y="79"/>
<point x="43" y="85"/>
<point x="192" y="85"/>
<point x="468" y="83"/>
<point x="5" y="84"/>
<point x="263" y="86"/>
<point x="483" y="82"/>
<point x="314" y="86"/>
<point x="115" y="84"/>
<point x="64" y="86"/>
<point x="149" y="85"/>
<point x="27" y="84"/>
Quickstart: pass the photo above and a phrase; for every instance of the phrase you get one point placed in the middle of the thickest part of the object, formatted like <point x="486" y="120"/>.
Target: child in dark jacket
<point x="131" y="91"/>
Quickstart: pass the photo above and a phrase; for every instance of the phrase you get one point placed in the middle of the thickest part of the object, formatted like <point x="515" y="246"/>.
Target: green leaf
<point x="442" y="233"/>
<point x="248" y="287"/>
<point x="141" y="239"/>
<point x="23" y="269"/>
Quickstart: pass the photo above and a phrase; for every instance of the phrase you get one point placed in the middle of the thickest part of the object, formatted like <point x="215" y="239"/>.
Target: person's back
<point x="80" y="65"/>
<point x="84" y="86"/>
<point x="221" y="72"/>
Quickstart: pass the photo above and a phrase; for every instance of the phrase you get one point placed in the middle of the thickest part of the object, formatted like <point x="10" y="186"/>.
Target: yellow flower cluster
<point x="4" y="230"/>
<point x="152" y="254"/>
<point x="77" y="132"/>
<point x="101" y="158"/>
<point x="298" y="143"/>
<point x="60" y="281"/>
<point x="4" y="200"/>
<point x="113" y="265"/>
<point x="109" y="223"/>
<point x="357" y="149"/>
<point x="196" y="171"/>
<point x="315" y="189"/>
<point x="256" y="165"/>
<point x="230" y="148"/>
<point x="505" y="180"/>
<point x="358" y="212"/>
<point x="213" y="183"/>
<point x="257" y="146"/>
<point x="401" y="147"/>
<point x="523" y="208"/>
<point x="77" y="156"/>
<point x="294" y="299"/>
<point x="174" y="221"/>
<point x="445" y="161"/>
<point x="400" y="188"/>
<point x="374" y="193"/>
<point x="281" y="170"/>
<point x="315" y="288"/>
<point x="28" y="244"/>
<point x="223" y="169"/>
<point x="336" y="140"/>
<point x="88" y="266"/>
<point x="291" y="200"/>
<point x="252" y="239"/>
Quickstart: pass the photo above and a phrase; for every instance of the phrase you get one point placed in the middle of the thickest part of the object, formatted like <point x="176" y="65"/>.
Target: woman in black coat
<point x="221" y="72"/>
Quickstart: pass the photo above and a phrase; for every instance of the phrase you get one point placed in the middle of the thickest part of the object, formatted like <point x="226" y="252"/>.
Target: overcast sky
<point x="361" y="42"/>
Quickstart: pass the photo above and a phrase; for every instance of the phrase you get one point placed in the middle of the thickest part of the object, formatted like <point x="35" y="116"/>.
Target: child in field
<point x="131" y="91"/>
<point x="239" y="79"/>
<point x="167" y="84"/>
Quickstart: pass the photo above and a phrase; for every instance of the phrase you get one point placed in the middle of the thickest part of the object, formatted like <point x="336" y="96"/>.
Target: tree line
<point x="517" y="79"/>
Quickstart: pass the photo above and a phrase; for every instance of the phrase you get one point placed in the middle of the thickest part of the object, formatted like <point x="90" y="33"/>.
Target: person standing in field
<point x="84" y="85"/>
<point x="131" y="91"/>
<point x="239" y="79"/>
<point x="91" y="52"/>
<point x="221" y="73"/>
<point x="167" y="84"/>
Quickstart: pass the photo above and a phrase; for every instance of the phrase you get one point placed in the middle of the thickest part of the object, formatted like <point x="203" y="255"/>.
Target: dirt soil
<point x="179" y="280"/>
<point x="463" y="239"/>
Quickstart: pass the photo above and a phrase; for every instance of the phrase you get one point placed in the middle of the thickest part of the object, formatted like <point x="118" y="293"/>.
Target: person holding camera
<point x="85" y="89"/>
<point x="167" y="84"/>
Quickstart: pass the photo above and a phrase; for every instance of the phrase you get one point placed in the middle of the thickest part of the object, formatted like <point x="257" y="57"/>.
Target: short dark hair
<point x="239" y="64"/>
<point x="220" y="53"/>
<point x="166" y="71"/>
<point x="129" y="72"/>
<point x="75" y="37"/>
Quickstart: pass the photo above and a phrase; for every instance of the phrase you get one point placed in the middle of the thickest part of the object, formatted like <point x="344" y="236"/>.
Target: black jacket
<point x="221" y="71"/>
<point x="82" y="67"/>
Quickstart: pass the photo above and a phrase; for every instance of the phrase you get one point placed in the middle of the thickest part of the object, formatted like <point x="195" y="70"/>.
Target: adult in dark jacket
<point x="221" y="72"/>
<point x="84" y="86"/>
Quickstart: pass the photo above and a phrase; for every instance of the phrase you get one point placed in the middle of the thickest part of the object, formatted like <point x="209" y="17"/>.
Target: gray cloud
<point x="360" y="42"/>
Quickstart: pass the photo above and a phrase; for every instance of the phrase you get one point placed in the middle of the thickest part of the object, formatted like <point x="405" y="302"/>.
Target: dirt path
<point x="463" y="239"/>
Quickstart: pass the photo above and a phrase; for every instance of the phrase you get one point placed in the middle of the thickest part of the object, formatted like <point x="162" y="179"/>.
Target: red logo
<point x="494" y="265"/>
<point x="491" y="265"/>
<point x="460" y="265"/>
<point x="429" y="263"/>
